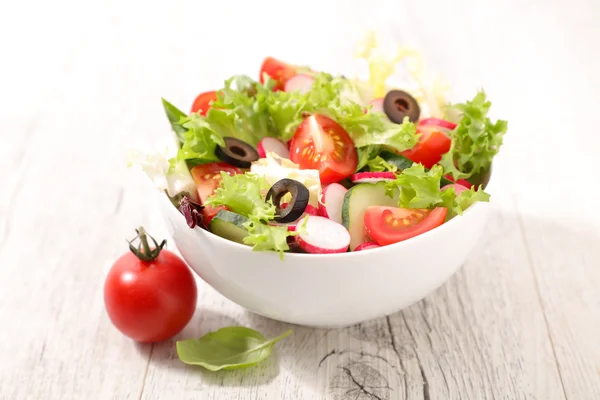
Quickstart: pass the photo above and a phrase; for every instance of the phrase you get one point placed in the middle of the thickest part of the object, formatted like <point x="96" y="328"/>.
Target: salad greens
<point x="249" y="111"/>
<point x="248" y="137"/>
<point x="475" y="140"/>
<point x="232" y="347"/>
<point x="244" y="194"/>
<point x="419" y="188"/>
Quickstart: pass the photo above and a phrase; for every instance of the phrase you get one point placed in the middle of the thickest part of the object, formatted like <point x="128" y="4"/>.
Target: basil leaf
<point x="175" y="115"/>
<point x="232" y="347"/>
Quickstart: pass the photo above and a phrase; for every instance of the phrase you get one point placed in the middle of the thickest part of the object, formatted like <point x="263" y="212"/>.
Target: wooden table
<point x="81" y="82"/>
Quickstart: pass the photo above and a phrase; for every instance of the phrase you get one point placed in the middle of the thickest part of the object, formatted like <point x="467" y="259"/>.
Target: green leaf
<point x="420" y="188"/>
<point x="175" y="115"/>
<point x="475" y="140"/>
<point x="199" y="141"/>
<point x="457" y="204"/>
<point x="241" y="110"/>
<point x="244" y="194"/>
<point x="265" y="237"/>
<point x="378" y="164"/>
<point x="227" y="348"/>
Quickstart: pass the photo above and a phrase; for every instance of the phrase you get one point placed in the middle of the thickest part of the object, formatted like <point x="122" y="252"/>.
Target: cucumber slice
<point x="402" y="163"/>
<point x="396" y="159"/>
<point x="356" y="201"/>
<point x="229" y="225"/>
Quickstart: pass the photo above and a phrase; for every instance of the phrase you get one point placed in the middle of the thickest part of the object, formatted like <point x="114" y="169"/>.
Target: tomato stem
<point x="143" y="250"/>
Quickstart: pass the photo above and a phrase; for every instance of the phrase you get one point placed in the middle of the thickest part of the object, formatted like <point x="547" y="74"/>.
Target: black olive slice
<point x="398" y="104"/>
<point x="297" y="204"/>
<point x="237" y="153"/>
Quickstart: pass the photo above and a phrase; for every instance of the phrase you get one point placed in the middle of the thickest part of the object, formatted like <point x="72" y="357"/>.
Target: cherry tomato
<point x="203" y="101"/>
<point x="150" y="296"/>
<point x="433" y="143"/>
<point x="322" y="144"/>
<point x="387" y="225"/>
<point x="278" y="70"/>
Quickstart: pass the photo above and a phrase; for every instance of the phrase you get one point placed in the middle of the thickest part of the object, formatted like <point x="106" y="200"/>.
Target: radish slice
<point x="366" y="246"/>
<point x="377" y="105"/>
<point x="457" y="187"/>
<point x="311" y="210"/>
<point x="372" y="177"/>
<point x="323" y="236"/>
<point x="270" y="144"/>
<point x="442" y="123"/>
<point x="300" y="82"/>
<point x="332" y="201"/>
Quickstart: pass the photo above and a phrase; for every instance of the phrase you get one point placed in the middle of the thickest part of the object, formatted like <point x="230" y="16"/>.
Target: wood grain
<point x="520" y="320"/>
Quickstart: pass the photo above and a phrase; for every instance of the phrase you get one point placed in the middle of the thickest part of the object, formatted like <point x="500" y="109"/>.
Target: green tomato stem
<point x="143" y="250"/>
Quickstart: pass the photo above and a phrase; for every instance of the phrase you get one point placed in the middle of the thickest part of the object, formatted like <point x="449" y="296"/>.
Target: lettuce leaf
<point x="199" y="141"/>
<point x="475" y="140"/>
<point x="457" y="204"/>
<point x="248" y="110"/>
<point x="241" y="110"/>
<point x="265" y="237"/>
<point x="420" y="188"/>
<point x="244" y="194"/>
<point x="378" y="164"/>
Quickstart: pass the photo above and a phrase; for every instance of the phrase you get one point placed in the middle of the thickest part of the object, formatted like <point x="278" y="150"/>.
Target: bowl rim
<point x="391" y="247"/>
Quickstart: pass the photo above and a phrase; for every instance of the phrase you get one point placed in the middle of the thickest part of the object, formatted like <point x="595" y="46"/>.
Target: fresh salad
<point x="301" y="160"/>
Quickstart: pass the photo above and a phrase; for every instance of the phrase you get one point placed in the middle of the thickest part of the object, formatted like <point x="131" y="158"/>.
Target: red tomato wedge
<point x="321" y="143"/>
<point x="387" y="225"/>
<point x="278" y="71"/>
<point x="202" y="102"/>
<point x="432" y="144"/>
<point x="208" y="178"/>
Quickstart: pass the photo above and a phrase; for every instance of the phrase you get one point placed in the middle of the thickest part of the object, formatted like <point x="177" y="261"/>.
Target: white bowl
<point x="328" y="290"/>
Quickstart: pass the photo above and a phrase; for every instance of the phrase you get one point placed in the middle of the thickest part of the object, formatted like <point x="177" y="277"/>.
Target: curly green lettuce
<point x="244" y="194"/>
<point x="475" y="140"/>
<point x="419" y="188"/>
<point x="249" y="111"/>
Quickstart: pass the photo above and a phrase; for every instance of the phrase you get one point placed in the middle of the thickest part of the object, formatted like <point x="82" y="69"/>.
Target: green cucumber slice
<point x="356" y="201"/>
<point x="229" y="225"/>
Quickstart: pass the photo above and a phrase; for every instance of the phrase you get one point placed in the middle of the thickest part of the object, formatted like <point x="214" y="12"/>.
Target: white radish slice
<point x="322" y="236"/>
<point x="272" y="145"/>
<point x="372" y="177"/>
<point x="300" y="82"/>
<point x="377" y="105"/>
<point x="332" y="201"/>
<point x="366" y="246"/>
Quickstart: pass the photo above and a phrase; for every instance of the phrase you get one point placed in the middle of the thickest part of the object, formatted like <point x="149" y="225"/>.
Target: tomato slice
<point x="321" y="143"/>
<point x="278" y="70"/>
<point x="203" y="101"/>
<point x="433" y="143"/>
<point x="387" y="225"/>
<point x="208" y="178"/>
